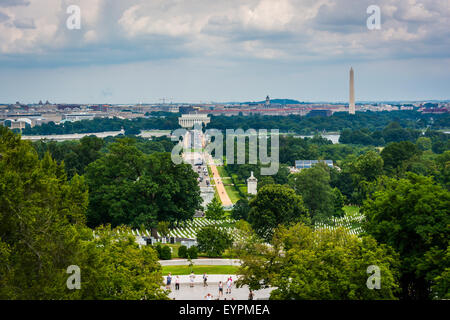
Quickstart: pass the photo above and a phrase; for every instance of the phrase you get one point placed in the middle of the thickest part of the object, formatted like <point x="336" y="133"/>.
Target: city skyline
<point x="144" y="51"/>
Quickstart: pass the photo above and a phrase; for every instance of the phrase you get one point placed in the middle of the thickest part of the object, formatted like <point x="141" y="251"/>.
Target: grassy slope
<point x="183" y="270"/>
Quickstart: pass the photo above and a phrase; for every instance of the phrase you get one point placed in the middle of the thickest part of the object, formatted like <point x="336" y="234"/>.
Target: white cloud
<point x="262" y="29"/>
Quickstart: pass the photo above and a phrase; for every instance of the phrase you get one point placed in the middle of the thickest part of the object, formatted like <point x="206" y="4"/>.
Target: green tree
<point x="163" y="228"/>
<point x="323" y="264"/>
<point x="192" y="252"/>
<point x="240" y="210"/>
<point x="395" y="155"/>
<point x="364" y="171"/>
<point x="214" y="210"/>
<point x="412" y="216"/>
<point x="275" y="205"/>
<point x="113" y="266"/>
<point x="314" y="186"/>
<point x="41" y="214"/>
<point x="42" y="233"/>
<point x="338" y="203"/>
<point x="424" y="143"/>
<point x="213" y="241"/>
<point x="367" y="167"/>
<point x="129" y="187"/>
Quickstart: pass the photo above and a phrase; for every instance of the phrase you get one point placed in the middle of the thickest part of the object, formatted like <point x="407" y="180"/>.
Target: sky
<point x="198" y="51"/>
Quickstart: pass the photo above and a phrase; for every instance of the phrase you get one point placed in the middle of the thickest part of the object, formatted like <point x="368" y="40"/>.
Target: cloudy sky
<point x="128" y="51"/>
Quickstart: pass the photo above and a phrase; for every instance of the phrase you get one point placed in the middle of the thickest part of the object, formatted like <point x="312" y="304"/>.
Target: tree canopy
<point x="275" y="205"/>
<point x="323" y="264"/>
<point x="412" y="216"/>
<point x="129" y="187"/>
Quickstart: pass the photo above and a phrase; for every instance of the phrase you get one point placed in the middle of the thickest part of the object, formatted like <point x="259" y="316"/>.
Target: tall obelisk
<point x="351" y="104"/>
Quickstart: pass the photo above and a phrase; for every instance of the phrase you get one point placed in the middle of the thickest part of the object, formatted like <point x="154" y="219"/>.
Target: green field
<point x="231" y="190"/>
<point x="351" y="210"/>
<point x="183" y="270"/>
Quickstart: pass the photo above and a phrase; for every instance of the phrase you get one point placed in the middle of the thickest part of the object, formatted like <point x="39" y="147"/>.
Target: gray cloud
<point x="116" y="31"/>
<point x="13" y="3"/>
<point x="24" y="23"/>
<point x="3" y="17"/>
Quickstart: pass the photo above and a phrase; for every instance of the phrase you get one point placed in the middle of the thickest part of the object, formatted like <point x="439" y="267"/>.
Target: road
<point x="226" y="201"/>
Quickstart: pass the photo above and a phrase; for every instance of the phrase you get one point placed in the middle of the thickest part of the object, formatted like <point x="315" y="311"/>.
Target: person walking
<point x="250" y="295"/>
<point x="205" y="279"/>
<point x="168" y="281"/>
<point x="229" y="283"/>
<point x="192" y="278"/>
<point x="177" y="283"/>
<point x="220" y="289"/>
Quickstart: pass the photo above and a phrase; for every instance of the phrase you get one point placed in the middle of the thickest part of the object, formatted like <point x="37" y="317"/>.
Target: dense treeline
<point x="132" y="181"/>
<point x="335" y="123"/>
<point x="165" y="122"/>
<point x="339" y="121"/>
<point x="78" y="154"/>
<point x="393" y="132"/>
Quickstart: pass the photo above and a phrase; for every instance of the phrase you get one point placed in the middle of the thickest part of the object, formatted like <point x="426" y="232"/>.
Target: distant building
<point x="351" y="104"/>
<point x="72" y="117"/>
<point x="252" y="183"/>
<point x="20" y="123"/>
<point x="267" y="101"/>
<point x="189" y="120"/>
<point x="306" y="164"/>
<point x="319" y="113"/>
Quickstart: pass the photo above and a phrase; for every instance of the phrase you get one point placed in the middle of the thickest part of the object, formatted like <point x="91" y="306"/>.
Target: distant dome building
<point x="252" y="185"/>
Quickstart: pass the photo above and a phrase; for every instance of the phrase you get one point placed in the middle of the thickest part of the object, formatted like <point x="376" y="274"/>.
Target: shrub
<point x="183" y="252"/>
<point x="166" y="253"/>
<point x="192" y="252"/>
<point x="158" y="250"/>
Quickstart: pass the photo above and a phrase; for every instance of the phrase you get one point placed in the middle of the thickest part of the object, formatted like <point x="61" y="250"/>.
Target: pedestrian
<point x="168" y="281"/>
<point x="250" y="295"/>
<point x="177" y="283"/>
<point x="229" y="283"/>
<point x="192" y="278"/>
<point x="220" y="289"/>
<point x="205" y="279"/>
<point x="209" y="296"/>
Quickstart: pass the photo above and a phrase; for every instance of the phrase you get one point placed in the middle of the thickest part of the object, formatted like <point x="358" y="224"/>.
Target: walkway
<point x="224" y="198"/>
<point x="198" y="292"/>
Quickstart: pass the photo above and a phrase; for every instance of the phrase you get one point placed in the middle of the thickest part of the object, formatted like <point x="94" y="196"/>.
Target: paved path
<point x="226" y="201"/>
<point x="198" y="292"/>
<point x="201" y="262"/>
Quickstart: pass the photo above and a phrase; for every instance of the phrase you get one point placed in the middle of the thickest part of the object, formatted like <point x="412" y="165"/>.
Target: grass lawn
<point x="231" y="190"/>
<point x="183" y="270"/>
<point x="351" y="210"/>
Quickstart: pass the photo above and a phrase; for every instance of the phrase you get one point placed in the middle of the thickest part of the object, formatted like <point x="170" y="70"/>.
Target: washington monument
<point x="351" y="104"/>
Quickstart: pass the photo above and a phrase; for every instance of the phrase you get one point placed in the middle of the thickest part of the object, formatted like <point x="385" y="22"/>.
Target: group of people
<point x="191" y="281"/>
<point x="169" y="282"/>
<point x="228" y="284"/>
